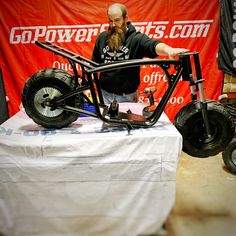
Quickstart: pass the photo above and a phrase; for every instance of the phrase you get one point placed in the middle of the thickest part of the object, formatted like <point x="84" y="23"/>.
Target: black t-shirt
<point x="136" y="46"/>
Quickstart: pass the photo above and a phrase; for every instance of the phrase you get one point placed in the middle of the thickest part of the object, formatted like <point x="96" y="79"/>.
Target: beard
<point x="116" y="37"/>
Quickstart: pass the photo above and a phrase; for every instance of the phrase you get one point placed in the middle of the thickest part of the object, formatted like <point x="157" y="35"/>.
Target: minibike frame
<point x="90" y="80"/>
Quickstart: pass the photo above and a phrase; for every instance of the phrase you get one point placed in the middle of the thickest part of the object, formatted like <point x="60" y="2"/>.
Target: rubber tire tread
<point x="220" y="121"/>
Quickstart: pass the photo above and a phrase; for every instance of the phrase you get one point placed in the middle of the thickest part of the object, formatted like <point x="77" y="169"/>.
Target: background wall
<point x="75" y="24"/>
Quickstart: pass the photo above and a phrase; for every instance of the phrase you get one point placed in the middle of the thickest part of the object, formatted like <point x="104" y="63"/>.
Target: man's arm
<point x="163" y="49"/>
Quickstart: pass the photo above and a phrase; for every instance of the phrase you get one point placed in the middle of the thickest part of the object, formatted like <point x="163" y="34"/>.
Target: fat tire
<point x="229" y="156"/>
<point x="190" y="124"/>
<point x="51" y="79"/>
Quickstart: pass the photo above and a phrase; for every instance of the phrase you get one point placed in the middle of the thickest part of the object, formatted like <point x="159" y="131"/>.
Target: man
<point x="122" y="42"/>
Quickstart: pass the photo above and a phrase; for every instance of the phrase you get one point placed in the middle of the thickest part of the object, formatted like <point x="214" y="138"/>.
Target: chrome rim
<point x="42" y="101"/>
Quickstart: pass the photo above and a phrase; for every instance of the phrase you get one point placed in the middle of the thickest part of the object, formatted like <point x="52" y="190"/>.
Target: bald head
<point x="117" y="8"/>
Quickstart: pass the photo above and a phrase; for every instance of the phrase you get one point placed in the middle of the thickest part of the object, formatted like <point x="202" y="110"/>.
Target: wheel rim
<point x="42" y="101"/>
<point x="199" y="136"/>
<point x="200" y="132"/>
<point x="234" y="157"/>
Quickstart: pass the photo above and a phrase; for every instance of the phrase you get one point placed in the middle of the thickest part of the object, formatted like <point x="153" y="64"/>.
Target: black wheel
<point x="229" y="156"/>
<point x="38" y="93"/>
<point x="190" y="124"/>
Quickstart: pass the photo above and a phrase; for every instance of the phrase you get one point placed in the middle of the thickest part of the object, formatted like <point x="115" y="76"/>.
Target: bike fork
<point x="203" y="106"/>
<point x="203" y="103"/>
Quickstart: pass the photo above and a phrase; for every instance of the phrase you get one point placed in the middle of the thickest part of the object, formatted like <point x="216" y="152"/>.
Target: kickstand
<point x="129" y="127"/>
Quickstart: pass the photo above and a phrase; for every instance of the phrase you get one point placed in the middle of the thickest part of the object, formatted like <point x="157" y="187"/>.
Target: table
<point x="85" y="179"/>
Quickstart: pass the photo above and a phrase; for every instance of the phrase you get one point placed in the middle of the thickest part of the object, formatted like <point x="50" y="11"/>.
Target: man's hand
<point x="163" y="49"/>
<point x="176" y="51"/>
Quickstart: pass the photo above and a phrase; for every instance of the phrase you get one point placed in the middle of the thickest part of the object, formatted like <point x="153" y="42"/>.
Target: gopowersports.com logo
<point x="87" y="33"/>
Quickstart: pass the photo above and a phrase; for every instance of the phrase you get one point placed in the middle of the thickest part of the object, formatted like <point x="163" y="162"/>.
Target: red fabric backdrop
<point x="75" y="24"/>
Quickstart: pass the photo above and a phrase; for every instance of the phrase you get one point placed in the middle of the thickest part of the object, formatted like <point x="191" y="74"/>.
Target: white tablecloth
<point x="86" y="180"/>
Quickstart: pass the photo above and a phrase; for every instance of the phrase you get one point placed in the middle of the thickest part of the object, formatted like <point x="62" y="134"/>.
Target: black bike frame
<point x="90" y="70"/>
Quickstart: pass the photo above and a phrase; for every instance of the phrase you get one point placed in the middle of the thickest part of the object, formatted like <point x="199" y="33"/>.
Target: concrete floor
<point x="205" y="199"/>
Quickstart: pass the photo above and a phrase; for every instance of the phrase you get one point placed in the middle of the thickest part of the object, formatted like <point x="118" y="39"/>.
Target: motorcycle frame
<point x="90" y="80"/>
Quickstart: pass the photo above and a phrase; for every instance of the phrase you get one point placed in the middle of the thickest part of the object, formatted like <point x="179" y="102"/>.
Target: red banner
<point x="75" y="25"/>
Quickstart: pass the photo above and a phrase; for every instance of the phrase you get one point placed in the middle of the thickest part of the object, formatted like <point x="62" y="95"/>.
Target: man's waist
<point x="120" y="93"/>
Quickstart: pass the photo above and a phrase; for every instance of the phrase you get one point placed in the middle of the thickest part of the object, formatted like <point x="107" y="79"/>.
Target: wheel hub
<point x="43" y="101"/>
